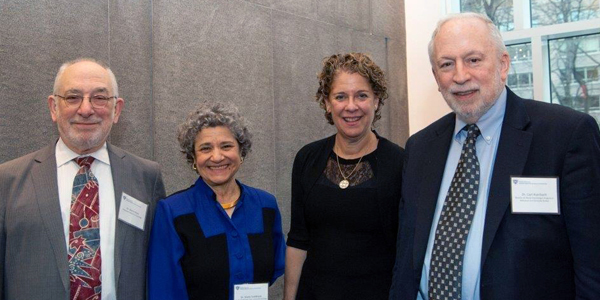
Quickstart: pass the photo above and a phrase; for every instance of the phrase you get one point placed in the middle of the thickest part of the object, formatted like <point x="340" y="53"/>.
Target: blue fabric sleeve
<point x="278" y="245"/>
<point x="165" y="276"/>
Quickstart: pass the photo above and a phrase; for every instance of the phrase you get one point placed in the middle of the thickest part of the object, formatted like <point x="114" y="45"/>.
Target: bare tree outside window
<point x="574" y="61"/>
<point x="574" y="68"/>
<point x="499" y="11"/>
<point x="550" y="12"/>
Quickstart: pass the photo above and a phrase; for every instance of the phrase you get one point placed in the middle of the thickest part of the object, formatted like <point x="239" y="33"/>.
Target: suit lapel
<point x="432" y="171"/>
<point x="45" y="184"/>
<point x="117" y="165"/>
<point x="513" y="149"/>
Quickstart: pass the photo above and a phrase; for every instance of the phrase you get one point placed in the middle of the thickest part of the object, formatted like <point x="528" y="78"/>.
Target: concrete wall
<point x="263" y="55"/>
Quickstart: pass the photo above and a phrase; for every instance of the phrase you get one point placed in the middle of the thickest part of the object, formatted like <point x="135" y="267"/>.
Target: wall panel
<point x="262" y="55"/>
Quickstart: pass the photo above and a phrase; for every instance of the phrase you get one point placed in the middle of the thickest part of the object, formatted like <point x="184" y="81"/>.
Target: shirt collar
<point x="208" y="193"/>
<point x="488" y="123"/>
<point x="65" y="155"/>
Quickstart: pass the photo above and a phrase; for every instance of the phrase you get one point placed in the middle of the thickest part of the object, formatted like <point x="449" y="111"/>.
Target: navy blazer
<point x="524" y="256"/>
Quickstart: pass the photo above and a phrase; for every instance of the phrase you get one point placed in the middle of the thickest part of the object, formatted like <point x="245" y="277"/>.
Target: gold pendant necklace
<point x="344" y="183"/>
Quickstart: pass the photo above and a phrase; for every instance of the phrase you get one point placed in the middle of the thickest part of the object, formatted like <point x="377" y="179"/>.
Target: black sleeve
<point x="298" y="236"/>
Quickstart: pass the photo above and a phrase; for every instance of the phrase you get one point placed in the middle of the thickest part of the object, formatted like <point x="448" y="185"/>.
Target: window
<point x="574" y="73"/>
<point x="520" y="52"/>
<point x="499" y="11"/>
<point x="554" y="47"/>
<point x="590" y="45"/>
<point x="549" y="12"/>
<point x="591" y="74"/>
<point x="520" y="76"/>
<point x="586" y="74"/>
<point x="594" y="102"/>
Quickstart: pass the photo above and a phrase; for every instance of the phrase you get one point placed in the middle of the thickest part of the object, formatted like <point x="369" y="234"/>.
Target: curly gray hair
<point x="212" y="115"/>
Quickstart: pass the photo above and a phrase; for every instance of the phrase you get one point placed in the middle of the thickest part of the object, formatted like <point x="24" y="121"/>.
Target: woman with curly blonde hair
<point x="345" y="192"/>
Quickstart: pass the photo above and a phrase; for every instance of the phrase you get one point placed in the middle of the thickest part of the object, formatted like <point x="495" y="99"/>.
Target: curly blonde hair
<point x="352" y="63"/>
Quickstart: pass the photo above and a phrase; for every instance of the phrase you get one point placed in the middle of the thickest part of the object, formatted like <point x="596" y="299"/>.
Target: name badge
<point x="253" y="291"/>
<point x="133" y="211"/>
<point x="534" y="195"/>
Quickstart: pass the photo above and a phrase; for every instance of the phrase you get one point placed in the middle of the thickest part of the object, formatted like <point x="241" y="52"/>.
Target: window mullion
<point x="522" y="14"/>
<point x="537" y="66"/>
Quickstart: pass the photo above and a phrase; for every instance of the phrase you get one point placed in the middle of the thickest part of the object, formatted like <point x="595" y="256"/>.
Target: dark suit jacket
<point x="524" y="256"/>
<point x="33" y="253"/>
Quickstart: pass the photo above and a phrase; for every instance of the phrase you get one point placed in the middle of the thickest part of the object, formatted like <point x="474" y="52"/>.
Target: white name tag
<point x="133" y="211"/>
<point x="254" y="291"/>
<point x="534" y="195"/>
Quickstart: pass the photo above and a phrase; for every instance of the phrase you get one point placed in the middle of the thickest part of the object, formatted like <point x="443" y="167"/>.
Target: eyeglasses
<point x="97" y="101"/>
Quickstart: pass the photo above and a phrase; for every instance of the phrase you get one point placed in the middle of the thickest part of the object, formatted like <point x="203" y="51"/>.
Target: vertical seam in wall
<point x="152" y="102"/>
<point x="387" y="72"/>
<point x="274" y="120"/>
<point x="371" y="17"/>
<point x="108" y="25"/>
<point x="108" y="60"/>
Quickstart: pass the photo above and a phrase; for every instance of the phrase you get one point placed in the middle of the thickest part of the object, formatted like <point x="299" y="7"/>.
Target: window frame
<point x="538" y="37"/>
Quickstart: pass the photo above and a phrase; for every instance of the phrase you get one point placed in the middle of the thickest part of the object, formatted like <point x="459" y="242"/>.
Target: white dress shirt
<point x="66" y="171"/>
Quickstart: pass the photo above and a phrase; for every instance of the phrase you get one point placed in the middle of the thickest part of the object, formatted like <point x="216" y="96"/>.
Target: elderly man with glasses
<point x="501" y="197"/>
<point x="75" y="215"/>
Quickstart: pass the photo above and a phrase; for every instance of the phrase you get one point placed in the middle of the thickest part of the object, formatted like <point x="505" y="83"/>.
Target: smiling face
<point x="352" y="105"/>
<point x="217" y="156"/>
<point x="84" y="129"/>
<point x="469" y="71"/>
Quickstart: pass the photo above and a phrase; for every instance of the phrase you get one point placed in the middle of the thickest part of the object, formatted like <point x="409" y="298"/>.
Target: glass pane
<point x="520" y="78"/>
<point x="499" y="11"/>
<point x="592" y="74"/>
<point x="548" y="12"/>
<point x="512" y="80"/>
<point x="574" y="67"/>
<point x="595" y="101"/>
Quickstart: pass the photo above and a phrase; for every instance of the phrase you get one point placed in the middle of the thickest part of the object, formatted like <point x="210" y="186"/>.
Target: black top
<point x="349" y="234"/>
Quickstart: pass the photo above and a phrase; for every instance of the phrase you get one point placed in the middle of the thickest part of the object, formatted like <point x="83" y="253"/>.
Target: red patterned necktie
<point x="84" y="234"/>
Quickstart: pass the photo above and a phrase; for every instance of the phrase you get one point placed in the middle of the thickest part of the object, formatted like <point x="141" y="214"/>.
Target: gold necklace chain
<point x="344" y="183"/>
<point x="230" y="204"/>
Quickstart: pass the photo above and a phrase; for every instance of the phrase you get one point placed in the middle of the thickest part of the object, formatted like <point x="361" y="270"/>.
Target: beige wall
<point x="425" y="103"/>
